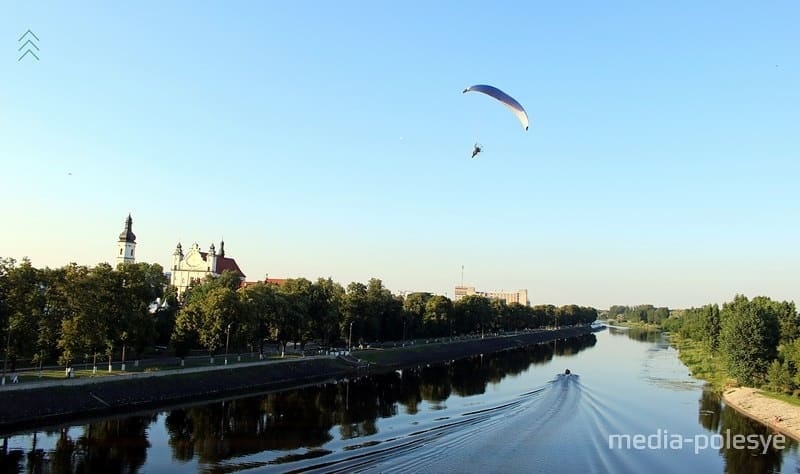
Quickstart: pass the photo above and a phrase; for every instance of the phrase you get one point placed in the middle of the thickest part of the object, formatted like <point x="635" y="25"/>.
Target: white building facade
<point x="195" y="265"/>
<point x="519" y="296"/>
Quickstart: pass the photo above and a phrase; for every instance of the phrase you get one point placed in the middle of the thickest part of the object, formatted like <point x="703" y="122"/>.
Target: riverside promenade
<point x="50" y="402"/>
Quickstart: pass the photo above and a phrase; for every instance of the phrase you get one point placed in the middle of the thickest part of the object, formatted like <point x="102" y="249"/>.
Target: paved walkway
<point x="143" y="375"/>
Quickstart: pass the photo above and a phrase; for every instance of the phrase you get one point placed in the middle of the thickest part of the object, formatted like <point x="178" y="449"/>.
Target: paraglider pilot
<point x="476" y="149"/>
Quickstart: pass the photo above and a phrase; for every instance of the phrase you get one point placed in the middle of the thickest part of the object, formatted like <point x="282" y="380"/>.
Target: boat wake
<point x="533" y="429"/>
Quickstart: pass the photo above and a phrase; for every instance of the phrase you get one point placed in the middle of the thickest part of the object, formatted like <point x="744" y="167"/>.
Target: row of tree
<point x="218" y="312"/>
<point x="81" y="313"/>
<point x="75" y="311"/>
<point x="645" y="313"/>
<point x="759" y="339"/>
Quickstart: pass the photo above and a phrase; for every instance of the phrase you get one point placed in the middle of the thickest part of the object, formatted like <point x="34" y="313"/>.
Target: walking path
<point x="142" y="375"/>
<point x="777" y="414"/>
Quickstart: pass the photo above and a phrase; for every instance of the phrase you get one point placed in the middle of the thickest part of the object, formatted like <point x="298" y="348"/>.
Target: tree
<point x="544" y="315"/>
<point x="568" y="315"/>
<point x="414" y="306"/>
<point x="257" y="302"/>
<point x="518" y="317"/>
<point x="778" y="377"/>
<point x="107" y="312"/>
<point x="55" y="310"/>
<point x="384" y="312"/>
<point x="354" y="309"/>
<point x="499" y="316"/>
<point x="749" y="337"/>
<point x="24" y="301"/>
<point x="165" y="314"/>
<point x="184" y="334"/>
<point x="91" y="301"/>
<point x="473" y="313"/>
<point x="142" y="284"/>
<point x="438" y="317"/>
<point x="219" y="308"/>
<point x="789" y="321"/>
<point x="297" y="326"/>
<point x="790" y="353"/>
<point x="617" y="310"/>
<point x="325" y="309"/>
<point x="710" y="324"/>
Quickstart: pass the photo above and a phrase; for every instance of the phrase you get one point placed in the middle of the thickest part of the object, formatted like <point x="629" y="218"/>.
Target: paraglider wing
<point x="504" y="98"/>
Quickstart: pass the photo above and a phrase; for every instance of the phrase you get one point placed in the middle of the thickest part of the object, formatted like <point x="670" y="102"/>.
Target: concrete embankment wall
<point x="427" y="354"/>
<point x="48" y="403"/>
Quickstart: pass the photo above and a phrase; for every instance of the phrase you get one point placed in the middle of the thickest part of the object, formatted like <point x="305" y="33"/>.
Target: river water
<point x="629" y="405"/>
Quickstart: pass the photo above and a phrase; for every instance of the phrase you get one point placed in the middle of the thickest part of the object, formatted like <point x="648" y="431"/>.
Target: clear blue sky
<point x="332" y="139"/>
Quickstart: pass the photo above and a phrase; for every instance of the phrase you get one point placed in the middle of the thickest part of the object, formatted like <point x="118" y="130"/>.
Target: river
<point x="629" y="405"/>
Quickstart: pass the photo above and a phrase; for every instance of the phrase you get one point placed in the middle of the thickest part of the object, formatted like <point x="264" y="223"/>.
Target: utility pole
<point x="462" y="275"/>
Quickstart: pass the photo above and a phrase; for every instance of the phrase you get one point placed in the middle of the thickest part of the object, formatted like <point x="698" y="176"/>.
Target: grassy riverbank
<point x="779" y="411"/>
<point x="634" y="325"/>
<point x="701" y="363"/>
<point x="705" y="366"/>
<point x="153" y="365"/>
<point x="782" y="397"/>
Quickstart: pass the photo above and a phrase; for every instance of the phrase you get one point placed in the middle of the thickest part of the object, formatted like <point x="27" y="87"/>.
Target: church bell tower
<point x="127" y="243"/>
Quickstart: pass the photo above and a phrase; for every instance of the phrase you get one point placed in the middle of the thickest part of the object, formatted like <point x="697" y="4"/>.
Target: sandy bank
<point x="778" y="415"/>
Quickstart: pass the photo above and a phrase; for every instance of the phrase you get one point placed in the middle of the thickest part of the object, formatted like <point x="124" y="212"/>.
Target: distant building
<point x="519" y="296"/>
<point x="196" y="265"/>
<point x="267" y="280"/>
<point x="127" y="243"/>
<point x="275" y="281"/>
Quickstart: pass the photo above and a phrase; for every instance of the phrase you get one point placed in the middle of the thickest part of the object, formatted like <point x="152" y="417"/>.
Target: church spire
<point x="127" y="234"/>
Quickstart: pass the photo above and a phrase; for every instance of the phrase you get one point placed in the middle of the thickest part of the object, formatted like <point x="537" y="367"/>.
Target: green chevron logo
<point x="29" y="45"/>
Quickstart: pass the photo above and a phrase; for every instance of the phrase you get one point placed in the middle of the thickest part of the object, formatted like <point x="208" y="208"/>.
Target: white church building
<point x="196" y="265"/>
<point x="186" y="268"/>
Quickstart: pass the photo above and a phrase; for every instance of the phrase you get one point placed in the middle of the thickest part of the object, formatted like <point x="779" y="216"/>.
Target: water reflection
<point x="334" y="424"/>
<point x="637" y="334"/>
<point x="719" y="418"/>
<point x="117" y="445"/>
<point x="294" y="420"/>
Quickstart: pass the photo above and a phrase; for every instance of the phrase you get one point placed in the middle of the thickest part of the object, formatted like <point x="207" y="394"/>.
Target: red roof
<point x="225" y="263"/>
<point x="267" y="281"/>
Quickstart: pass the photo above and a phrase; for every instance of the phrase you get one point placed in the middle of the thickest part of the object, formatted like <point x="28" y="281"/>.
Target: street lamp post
<point x="350" y="339"/>
<point x="5" y="360"/>
<point x="227" y="341"/>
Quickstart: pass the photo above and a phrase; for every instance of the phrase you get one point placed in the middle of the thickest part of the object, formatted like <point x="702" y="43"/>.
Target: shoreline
<point x="775" y="414"/>
<point x="746" y="401"/>
<point x="53" y="403"/>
